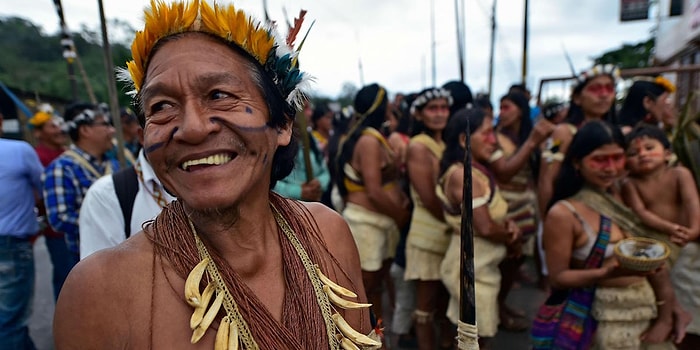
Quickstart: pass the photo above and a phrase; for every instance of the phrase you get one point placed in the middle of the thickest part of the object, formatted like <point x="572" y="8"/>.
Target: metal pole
<point x="112" y="86"/>
<point x="460" y="37"/>
<point x="493" y="46"/>
<point x="432" y="38"/>
<point x="525" y="35"/>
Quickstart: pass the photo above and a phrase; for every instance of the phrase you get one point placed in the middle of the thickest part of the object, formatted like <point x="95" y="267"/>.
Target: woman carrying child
<point x="626" y="309"/>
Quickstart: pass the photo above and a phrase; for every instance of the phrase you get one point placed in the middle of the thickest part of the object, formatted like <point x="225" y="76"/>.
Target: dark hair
<point x="633" y="111"/>
<point x="575" y="114"/>
<point x="364" y="101"/>
<point x="456" y="126"/>
<point x="521" y="102"/>
<point x="591" y="136"/>
<point x="649" y="131"/>
<point x="483" y="101"/>
<point x="280" y="112"/>
<point x="521" y="88"/>
<point x="318" y="113"/>
<point x="461" y="95"/>
<point x="72" y="111"/>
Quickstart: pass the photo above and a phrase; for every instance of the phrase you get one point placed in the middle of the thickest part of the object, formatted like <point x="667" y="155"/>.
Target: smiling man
<point x="229" y="262"/>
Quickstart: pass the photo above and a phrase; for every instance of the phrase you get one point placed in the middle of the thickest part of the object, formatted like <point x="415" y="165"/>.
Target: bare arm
<point x="690" y="200"/>
<point x="422" y="174"/>
<point x="632" y="199"/>
<point x="371" y="156"/>
<point x="505" y="168"/>
<point x="558" y="240"/>
<point x="399" y="148"/>
<point x="483" y="223"/>
<point x="550" y="170"/>
<point x="87" y="316"/>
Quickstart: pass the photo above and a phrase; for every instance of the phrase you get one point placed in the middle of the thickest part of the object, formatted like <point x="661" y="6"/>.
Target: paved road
<point x="43" y="306"/>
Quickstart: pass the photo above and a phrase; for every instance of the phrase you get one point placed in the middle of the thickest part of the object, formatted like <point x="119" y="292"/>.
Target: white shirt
<point x="101" y="221"/>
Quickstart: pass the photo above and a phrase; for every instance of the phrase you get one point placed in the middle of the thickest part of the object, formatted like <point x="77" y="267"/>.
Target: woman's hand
<point x="514" y="231"/>
<point x="541" y="131"/>
<point x="616" y="270"/>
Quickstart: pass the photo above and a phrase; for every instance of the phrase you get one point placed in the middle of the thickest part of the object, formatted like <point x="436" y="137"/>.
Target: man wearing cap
<point x="50" y="144"/>
<point x="70" y="175"/>
<point x="20" y="176"/>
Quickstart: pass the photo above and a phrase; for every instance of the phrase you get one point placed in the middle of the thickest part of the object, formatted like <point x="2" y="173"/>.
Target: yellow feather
<point x="227" y="22"/>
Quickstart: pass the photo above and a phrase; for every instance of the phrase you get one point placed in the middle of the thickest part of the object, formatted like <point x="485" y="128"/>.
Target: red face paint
<point x="648" y="149"/>
<point x="601" y="162"/>
<point x="600" y="89"/>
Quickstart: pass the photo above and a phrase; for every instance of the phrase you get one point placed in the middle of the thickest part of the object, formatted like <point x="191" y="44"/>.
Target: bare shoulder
<point x="334" y="230"/>
<point x="562" y="132"/>
<point x="559" y="214"/>
<point x="680" y="172"/>
<point x="93" y="308"/>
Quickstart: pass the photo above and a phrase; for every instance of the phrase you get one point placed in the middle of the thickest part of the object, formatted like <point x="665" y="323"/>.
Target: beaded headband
<point x="430" y="95"/>
<point x="600" y="69"/>
<point x="261" y="41"/>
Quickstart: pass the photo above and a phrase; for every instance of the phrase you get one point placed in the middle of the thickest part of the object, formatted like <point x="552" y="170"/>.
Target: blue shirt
<point x="66" y="181"/>
<point x="290" y="186"/>
<point x="20" y="179"/>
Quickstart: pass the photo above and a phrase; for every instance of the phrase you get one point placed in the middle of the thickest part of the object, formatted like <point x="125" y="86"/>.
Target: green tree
<point x="638" y="55"/>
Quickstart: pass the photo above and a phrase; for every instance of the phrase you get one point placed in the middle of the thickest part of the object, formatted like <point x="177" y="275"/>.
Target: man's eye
<point x="216" y="95"/>
<point x="159" y="106"/>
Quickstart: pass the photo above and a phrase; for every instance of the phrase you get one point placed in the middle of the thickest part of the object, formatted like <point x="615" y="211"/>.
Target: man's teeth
<point x="217" y="159"/>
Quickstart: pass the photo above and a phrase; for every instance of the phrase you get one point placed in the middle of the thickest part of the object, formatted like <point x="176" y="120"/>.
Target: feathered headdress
<point x="261" y="41"/>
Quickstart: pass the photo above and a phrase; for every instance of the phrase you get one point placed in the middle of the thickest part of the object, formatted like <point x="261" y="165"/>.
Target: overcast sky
<point x="392" y="37"/>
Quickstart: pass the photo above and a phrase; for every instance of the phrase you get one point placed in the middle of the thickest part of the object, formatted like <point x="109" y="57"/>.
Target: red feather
<point x="293" y="31"/>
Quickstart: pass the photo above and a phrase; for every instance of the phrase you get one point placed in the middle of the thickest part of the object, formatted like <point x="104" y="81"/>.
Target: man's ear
<point x="284" y="134"/>
<point x="83" y="130"/>
<point x="647" y="102"/>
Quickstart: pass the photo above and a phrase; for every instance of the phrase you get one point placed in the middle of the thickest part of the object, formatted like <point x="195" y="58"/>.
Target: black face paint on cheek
<point x="248" y="110"/>
<point x="154" y="147"/>
<point x="172" y="134"/>
<point x="242" y="128"/>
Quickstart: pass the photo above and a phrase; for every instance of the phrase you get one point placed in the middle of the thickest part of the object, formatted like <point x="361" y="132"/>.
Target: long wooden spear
<point x="467" y="311"/>
<point x="112" y="87"/>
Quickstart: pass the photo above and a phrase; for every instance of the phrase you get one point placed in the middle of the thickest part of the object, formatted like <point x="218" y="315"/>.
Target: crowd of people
<point x="286" y="223"/>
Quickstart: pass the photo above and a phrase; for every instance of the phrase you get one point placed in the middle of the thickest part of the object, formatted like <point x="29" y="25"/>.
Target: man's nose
<point x="194" y="126"/>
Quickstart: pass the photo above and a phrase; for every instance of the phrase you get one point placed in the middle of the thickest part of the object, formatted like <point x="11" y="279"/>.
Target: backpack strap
<point x="126" y="185"/>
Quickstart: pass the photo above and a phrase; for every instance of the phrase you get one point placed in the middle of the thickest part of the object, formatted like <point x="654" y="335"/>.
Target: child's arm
<point x="690" y="200"/>
<point x="633" y="200"/>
